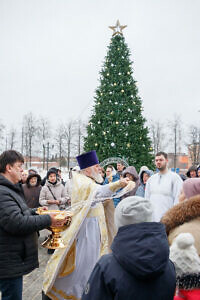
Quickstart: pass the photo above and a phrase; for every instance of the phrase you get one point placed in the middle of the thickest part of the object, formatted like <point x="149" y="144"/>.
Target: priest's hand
<point x="124" y="182"/>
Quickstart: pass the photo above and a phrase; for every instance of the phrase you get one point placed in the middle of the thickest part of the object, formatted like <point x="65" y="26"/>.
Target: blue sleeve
<point x="96" y="287"/>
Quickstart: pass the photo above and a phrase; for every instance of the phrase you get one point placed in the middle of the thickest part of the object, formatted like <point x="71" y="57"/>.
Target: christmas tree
<point x="116" y="126"/>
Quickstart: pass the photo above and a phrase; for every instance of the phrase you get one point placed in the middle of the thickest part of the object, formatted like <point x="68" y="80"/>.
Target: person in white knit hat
<point x="187" y="264"/>
<point x="138" y="267"/>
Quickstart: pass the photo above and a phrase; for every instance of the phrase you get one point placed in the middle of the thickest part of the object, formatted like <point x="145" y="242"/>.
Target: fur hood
<point x="181" y="213"/>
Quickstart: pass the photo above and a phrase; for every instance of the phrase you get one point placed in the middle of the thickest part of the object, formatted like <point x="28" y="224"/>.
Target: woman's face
<point x="193" y="174"/>
<point x="108" y="172"/>
<point x="52" y="178"/>
<point x="145" y="178"/>
<point x="33" y="181"/>
<point x="129" y="176"/>
<point x="24" y="177"/>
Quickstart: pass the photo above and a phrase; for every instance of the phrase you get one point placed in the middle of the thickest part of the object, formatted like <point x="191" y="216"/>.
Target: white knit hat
<point x="184" y="255"/>
<point x="132" y="210"/>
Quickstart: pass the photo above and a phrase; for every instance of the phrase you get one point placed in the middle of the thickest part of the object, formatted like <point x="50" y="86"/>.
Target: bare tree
<point x="69" y="133"/>
<point x="12" y="135"/>
<point x="44" y="134"/>
<point x="65" y="142"/>
<point x="194" y="144"/>
<point x="175" y="140"/>
<point x="30" y="131"/>
<point x="79" y="133"/>
<point x="157" y="135"/>
<point x="2" y="137"/>
<point x="60" y="141"/>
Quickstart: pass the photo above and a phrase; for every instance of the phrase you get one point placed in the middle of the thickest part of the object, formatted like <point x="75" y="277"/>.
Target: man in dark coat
<point x="18" y="228"/>
<point x="138" y="267"/>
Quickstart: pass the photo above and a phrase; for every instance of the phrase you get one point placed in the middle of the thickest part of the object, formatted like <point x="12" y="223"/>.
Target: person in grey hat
<point x="139" y="258"/>
<point x="187" y="263"/>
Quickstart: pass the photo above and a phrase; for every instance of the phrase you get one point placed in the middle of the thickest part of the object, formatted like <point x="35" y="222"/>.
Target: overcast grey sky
<point x="51" y="52"/>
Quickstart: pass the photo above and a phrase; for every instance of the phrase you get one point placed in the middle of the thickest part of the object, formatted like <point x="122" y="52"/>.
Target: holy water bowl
<point x="54" y="240"/>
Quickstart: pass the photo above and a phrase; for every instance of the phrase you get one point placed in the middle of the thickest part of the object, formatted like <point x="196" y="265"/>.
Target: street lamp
<point x="46" y="151"/>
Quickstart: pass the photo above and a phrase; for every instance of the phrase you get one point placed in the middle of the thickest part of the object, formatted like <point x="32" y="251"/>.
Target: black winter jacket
<point x="18" y="231"/>
<point x="138" y="268"/>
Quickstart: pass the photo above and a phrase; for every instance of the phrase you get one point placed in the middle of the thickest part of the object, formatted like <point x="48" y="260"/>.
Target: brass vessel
<point x="54" y="240"/>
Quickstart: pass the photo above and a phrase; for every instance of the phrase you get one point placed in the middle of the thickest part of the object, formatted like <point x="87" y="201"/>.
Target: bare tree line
<point x="175" y="137"/>
<point x="38" y="137"/>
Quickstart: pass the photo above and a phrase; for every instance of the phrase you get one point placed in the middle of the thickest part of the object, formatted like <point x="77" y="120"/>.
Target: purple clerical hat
<point x="87" y="159"/>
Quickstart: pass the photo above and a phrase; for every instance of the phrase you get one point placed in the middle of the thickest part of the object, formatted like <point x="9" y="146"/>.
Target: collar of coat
<point x="181" y="213"/>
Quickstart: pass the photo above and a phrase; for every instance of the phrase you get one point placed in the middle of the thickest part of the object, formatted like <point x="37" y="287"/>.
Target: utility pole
<point x="47" y="156"/>
<point x="43" y="163"/>
<point x="175" y="146"/>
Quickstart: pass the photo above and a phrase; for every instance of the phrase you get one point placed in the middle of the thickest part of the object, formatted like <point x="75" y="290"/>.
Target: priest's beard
<point x="96" y="176"/>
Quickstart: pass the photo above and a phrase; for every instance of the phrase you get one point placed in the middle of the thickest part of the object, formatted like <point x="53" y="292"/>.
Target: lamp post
<point x="47" y="149"/>
<point x="47" y="156"/>
<point x="43" y="162"/>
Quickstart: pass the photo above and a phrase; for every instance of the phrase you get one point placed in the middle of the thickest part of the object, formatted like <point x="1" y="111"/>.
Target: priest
<point x="90" y="234"/>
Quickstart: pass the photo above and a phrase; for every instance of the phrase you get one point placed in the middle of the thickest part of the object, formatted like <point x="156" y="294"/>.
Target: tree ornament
<point x="110" y="93"/>
<point x="117" y="122"/>
<point x="119" y="73"/>
<point x="128" y="145"/>
<point x="122" y="91"/>
<point x="128" y="73"/>
<point x="117" y="29"/>
<point x="134" y="120"/>
<point x="104" y="133"/>
<point x="114" y="84"/>
<point x="96" y="144"/>
<point x="99" y="122"/>
<point x="112" y="144"/>
<point x="107" y="74"/>
<point x="116" y="103"/>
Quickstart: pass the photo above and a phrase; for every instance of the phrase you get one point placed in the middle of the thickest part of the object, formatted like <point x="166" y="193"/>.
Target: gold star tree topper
<point x="117" y="29"/>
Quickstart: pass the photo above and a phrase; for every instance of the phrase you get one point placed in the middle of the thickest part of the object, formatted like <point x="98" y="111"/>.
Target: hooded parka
<point x="138" y="267"/>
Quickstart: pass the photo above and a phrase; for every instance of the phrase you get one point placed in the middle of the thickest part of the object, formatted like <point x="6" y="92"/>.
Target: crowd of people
<point x="132" y="235"/>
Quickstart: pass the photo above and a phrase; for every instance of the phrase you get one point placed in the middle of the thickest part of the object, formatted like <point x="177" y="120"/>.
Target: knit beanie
<point x="191" y="187"/>
<point x="132" y="210"/>
<point x="184" y="255"/>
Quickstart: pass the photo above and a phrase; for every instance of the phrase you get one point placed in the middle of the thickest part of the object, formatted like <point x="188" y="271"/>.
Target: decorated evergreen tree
<point x="116" y="127"/>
